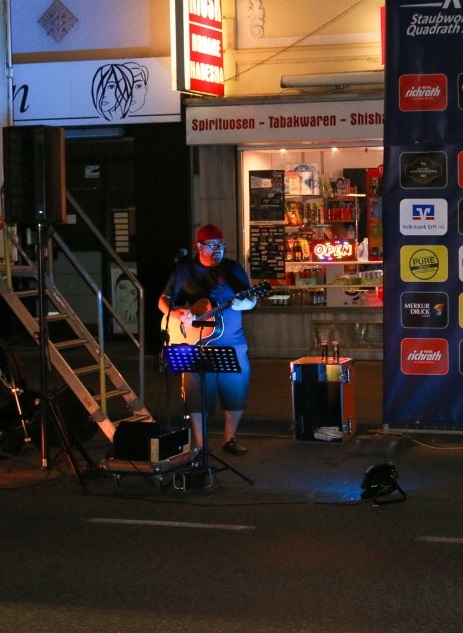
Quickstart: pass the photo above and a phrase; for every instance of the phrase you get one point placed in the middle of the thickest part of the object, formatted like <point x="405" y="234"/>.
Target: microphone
<point x="180" y="255"/>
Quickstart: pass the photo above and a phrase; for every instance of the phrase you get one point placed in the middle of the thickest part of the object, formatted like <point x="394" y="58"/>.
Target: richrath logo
<point x="425" y="356"/>
<point x="423" y="92"/>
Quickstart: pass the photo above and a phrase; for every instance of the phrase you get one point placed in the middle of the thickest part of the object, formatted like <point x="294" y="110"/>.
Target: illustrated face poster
<point x="124" y="300"/>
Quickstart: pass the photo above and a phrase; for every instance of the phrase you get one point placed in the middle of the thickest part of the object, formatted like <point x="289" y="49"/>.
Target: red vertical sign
<point x="197" y="46"/>
<point x="205" y="52"/>
<point x="383" y="34"/>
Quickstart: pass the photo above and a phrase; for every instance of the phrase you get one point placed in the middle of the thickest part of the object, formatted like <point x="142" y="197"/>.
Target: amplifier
<point x="142" y="442"/>
<point x="323" y="399"/>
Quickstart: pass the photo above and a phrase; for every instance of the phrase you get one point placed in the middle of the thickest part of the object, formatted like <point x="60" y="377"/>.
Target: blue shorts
<point x="231" y="388"/>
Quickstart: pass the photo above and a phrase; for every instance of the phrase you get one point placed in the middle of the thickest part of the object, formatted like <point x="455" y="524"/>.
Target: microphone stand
<point x="203" y="458"/>
<point x="165" y="341"/>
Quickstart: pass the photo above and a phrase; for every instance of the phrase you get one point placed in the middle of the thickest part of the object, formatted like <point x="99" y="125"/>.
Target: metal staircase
<point x="78" y="358"/>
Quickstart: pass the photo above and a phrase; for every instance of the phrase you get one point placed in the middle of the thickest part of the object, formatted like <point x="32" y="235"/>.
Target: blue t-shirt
<point x="192" y="281"/>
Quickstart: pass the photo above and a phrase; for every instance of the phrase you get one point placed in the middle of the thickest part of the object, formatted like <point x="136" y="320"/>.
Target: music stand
<point x="201" y="360"/>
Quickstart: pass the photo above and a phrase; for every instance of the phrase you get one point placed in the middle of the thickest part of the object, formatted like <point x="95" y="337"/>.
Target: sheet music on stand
<point x="200" y="358"/>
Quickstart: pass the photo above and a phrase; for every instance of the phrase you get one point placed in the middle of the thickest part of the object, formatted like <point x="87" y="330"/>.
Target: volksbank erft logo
<point x="423" y="216"/>
<point x="423" y="212"/>
<point x="423" y="92"/>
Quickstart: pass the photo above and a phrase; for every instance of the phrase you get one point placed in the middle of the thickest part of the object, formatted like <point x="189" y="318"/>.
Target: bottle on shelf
<point x="335" y="344"/>
<point x="297" y="251"/>
<point x="306" y="217"/>
<point x="289" y="255"/>
<point x="319" y="297"/>
<point x="324" y="349"/>
<point x="315" y="343"/>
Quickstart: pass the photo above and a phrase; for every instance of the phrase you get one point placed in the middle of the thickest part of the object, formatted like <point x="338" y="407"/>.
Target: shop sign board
<point x="103" y="92"/>
<point x="197" y="51"/>
<point x="285" y="122"/>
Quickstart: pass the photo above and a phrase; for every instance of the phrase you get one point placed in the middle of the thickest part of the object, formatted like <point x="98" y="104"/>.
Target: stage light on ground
<point x="381" y="481"/>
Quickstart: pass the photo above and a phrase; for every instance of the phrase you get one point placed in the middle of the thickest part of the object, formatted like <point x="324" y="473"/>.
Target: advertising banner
<point x="423" y="215"/>
<point x="327" y="121"/>
<point x="117" y="91"/>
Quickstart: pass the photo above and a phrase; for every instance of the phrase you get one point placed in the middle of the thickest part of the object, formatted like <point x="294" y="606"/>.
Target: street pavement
<point x="296" y="551"/>
<point x="276" y="462"/>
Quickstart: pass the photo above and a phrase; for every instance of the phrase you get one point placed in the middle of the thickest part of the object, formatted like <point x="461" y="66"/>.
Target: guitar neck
<point x="218" y="309"/>
<point x="215" y="311"/>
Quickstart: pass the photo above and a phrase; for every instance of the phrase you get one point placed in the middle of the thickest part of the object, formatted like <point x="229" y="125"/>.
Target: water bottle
<point x="335" y="345"/>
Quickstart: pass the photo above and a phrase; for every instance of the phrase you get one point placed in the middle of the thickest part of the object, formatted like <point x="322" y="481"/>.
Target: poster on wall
<point x="267" y="195"/>
<point x="374" y="212"/>
<point x="267" y="254"/>
<point x="423" y="234"/>
<point x="302" y="179"/>
<point x="124" y="299"/>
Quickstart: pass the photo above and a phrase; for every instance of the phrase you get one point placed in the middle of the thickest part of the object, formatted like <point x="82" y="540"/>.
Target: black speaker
<point x="35" y="174"/>
<point x="142" y="441"/>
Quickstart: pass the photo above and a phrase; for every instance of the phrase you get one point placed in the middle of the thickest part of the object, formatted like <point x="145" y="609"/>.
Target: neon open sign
<point x="333" y="250"/>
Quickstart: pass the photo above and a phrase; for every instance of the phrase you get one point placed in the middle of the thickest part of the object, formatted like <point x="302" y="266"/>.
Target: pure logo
<point x="424" y="264"/>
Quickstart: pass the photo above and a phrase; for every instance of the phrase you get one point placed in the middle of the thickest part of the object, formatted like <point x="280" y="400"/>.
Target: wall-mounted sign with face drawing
<point x="95" y="93"/>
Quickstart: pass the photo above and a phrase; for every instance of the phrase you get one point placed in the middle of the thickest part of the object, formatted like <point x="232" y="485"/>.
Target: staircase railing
<point x="101" y="301"/>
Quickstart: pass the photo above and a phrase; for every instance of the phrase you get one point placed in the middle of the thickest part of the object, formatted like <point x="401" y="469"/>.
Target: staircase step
<point x="135" y="418"/>
<point x="89" y="369"/>
<point x="24" y="271"/>
<point x="27" y="293"/>
<point x="77" y="342"/>
<point x="114" y="393"/>
<point x="57" y="317"/>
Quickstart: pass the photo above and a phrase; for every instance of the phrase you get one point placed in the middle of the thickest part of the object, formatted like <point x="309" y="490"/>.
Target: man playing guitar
<point x="211" y="279"/>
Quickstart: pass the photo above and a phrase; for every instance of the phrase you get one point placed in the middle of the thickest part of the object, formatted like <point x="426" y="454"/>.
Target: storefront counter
<point x="294" y="331"/>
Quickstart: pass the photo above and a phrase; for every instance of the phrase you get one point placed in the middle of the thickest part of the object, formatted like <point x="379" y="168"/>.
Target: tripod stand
<point x="16" y="416"/>
<point x="201" y="359"/>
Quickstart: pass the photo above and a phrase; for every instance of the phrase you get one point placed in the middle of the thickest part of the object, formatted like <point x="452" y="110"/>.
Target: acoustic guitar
<point x="190" y="334"/>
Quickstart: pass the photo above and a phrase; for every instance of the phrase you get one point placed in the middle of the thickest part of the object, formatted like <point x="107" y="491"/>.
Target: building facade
<point x="278" y="53"/>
